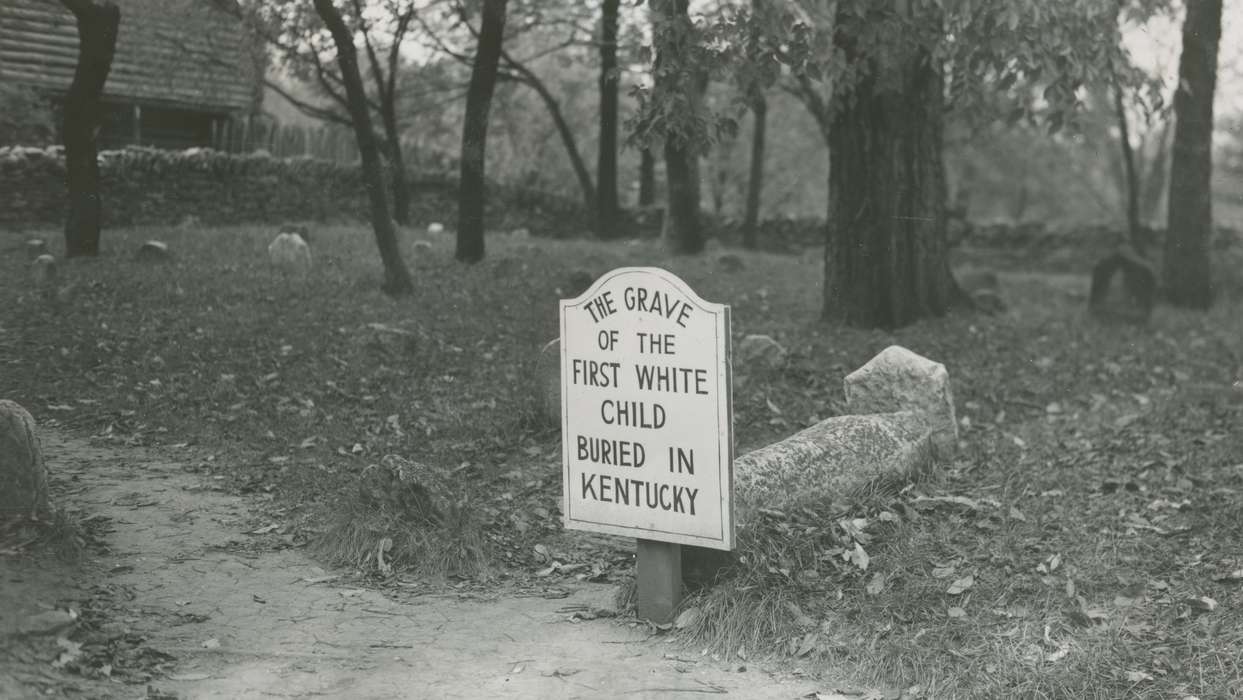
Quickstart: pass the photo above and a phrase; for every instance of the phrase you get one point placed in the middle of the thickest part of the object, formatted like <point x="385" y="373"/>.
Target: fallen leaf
<point x="1138" y="676"/>
<point x="189" y="677"/>
<point x="876" y="584"/>
<point x="1202" y="604"/>
<point x="956" y="612"/>
<point x="212" y="643"/>
<point x="961" y="585"/>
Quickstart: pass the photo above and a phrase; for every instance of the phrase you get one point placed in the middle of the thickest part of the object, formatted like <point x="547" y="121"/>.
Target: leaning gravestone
<point x="647" y="441"/>
<point x="36" y="247"/>
<point x="153" y="252"/>
<point x="23" y="476"/>
<point x="43" y="271"/>
<point x="290" y="254"/>
<point x="1130" y="298"/>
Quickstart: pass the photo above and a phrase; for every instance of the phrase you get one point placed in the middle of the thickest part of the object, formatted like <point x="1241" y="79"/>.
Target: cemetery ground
<point x="1087" y="542"/>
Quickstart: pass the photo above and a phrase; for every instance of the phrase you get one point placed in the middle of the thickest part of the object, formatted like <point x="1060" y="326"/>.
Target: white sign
<point x="646" y="440"/>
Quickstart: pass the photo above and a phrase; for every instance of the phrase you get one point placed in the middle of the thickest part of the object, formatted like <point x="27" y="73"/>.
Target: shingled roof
<point x="177" y="53"/>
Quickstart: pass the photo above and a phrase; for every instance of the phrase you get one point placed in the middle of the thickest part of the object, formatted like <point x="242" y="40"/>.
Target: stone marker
<point x="1133" y="300"/>
<point x="548" y="382"/>
<point x="761" y="350"/>
<point x="153" y="251"/>
<point x="299" y="230"/>
<point x="730" y="263"/>
<point x="647" y="441"/>
<point x="900" y="380"/>
<point x="23" y="476"/>
<point x="36" y="247"/>
<point x="43" y="271"/>
<point x="289" y="253"/>
<point x="422" y="247"/>
<point x="435" y="228"/>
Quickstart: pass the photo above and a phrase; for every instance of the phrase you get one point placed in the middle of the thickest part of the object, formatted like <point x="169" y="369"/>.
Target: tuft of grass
<point x="60" y="535"/>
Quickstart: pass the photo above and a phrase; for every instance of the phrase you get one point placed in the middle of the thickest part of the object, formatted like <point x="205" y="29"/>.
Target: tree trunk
<point x="1190" y="226"/>
<point x="755" y="183"/>
<point x="647" y="178"/>
<point x="887" y="263"/>
<point x="1134" y="235"/>
<point x="98" y="23"/>
<point x="585" y="186"/>
<point x="396" y="165"/>
<point x="471" y="194"/>
<point x="606" y="161"/>
<point x="396" y="276"/>
<point x="682" y="231"/>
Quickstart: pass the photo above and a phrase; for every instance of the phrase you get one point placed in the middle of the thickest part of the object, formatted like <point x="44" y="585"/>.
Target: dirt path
<point x="247" y="621"/>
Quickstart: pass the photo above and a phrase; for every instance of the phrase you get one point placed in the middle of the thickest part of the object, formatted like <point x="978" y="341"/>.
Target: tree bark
<point x="887" y="262"/>
<point x="471" y="194"/>
<point x="606" y="160"/>
<point x="1131" y="178"/>
<point x="1187" y="272"/>
<point x="682" y="229"/>
<point x="396" y="276"/>
<point x="647" y="178"/>
<point x="98" y="23"/>
<point x="396" y="164"/>
<point x="755" y="182"/>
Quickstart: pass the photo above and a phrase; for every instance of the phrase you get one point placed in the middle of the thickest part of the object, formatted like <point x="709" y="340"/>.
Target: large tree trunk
<point x="396" y="276"/>
<point x="1190" y="227"/>
<point x="606" y="161"/>
<point x="886" y="252"/>
<point x="755" y="182"/>
<point x="1130" y="177"/>
<point x="682" y="230"/>
<point x="471" y="194"/>
<point x="396" y="165"/>
<point x="98" y="23"/>
<point x="647" y="178"/>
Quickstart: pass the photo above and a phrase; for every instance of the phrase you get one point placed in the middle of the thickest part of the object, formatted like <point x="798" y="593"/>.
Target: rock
<point x="760" y="350"/>
<point x="435" y="228"/>
<point x="23" y="475"/>
<point x="1134" y="298"/>
<point x="153" y="251"/>
<point x="730" y="263"/>
<point x="422" y="247"/>
<point x="299" y="230"/>
<point x="899" y="380"/>
<point x="548" y="379"/>
<point x="36" y="247"/>
<point x="579" y="282"/>
<point x="835" y="459"/>
<point x="43" y="271"/>
<point x="972" y="281"/>
<point x="290" y="254"/>
<point x="988" y="301"/>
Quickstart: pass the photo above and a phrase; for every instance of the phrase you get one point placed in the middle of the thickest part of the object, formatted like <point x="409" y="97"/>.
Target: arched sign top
<point x="647" y="441"/>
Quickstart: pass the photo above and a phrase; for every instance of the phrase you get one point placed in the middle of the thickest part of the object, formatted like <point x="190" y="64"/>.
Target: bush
<point x="25" y="117"/>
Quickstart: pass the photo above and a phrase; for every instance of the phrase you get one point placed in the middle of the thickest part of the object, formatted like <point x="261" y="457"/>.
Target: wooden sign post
<point x="647" y="423"/>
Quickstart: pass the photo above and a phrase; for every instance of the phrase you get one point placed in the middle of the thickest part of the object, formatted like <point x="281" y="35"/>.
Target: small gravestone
<point x="43" y="271"/>
<point x="290" y="254"/>
<point x="36" y="247"/>
<point x="647" y="437"/>
<point x="299" y="230"/>
<point x="435" y="228"/>
<point x="153" y="252"/>
<point x="23" y="476"/>
<point x="1124" y="287"/>
<point x="548" y="382"/>
<point x="730" y="263"/>
<point x="422" y="248"/>
<point x="761" y="351"/>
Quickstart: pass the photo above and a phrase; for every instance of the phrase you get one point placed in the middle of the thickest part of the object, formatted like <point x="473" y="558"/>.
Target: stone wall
<point x="145" y="186"/>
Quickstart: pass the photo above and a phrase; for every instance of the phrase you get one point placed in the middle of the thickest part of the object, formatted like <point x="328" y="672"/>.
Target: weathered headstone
<point x="43" y="271"/>
<point x="435" y="228"/>
<point x="299" y="230"/>
<point x="548" y="381"/>
<point x="422" y="248"/>
<point x="36" y="247"/>
<point x="153" y="252"/>
<point x="900" y="380"/>
<point x="1134" y="297"/>
<point x="647" y="442"/>
<point x="289" y="253"/>
<point x="760" y="351"/>
<point x="23" y="476"/>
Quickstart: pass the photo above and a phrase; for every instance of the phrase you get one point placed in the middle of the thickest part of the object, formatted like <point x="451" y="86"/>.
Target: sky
<point x="1156" y="47"/>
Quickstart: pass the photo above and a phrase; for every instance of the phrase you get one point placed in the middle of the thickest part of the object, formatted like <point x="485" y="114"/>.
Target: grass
<point x="1095" y="506"/>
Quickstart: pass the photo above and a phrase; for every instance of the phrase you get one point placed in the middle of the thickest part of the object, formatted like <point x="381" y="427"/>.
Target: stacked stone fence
<point x="146" y="186"/>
